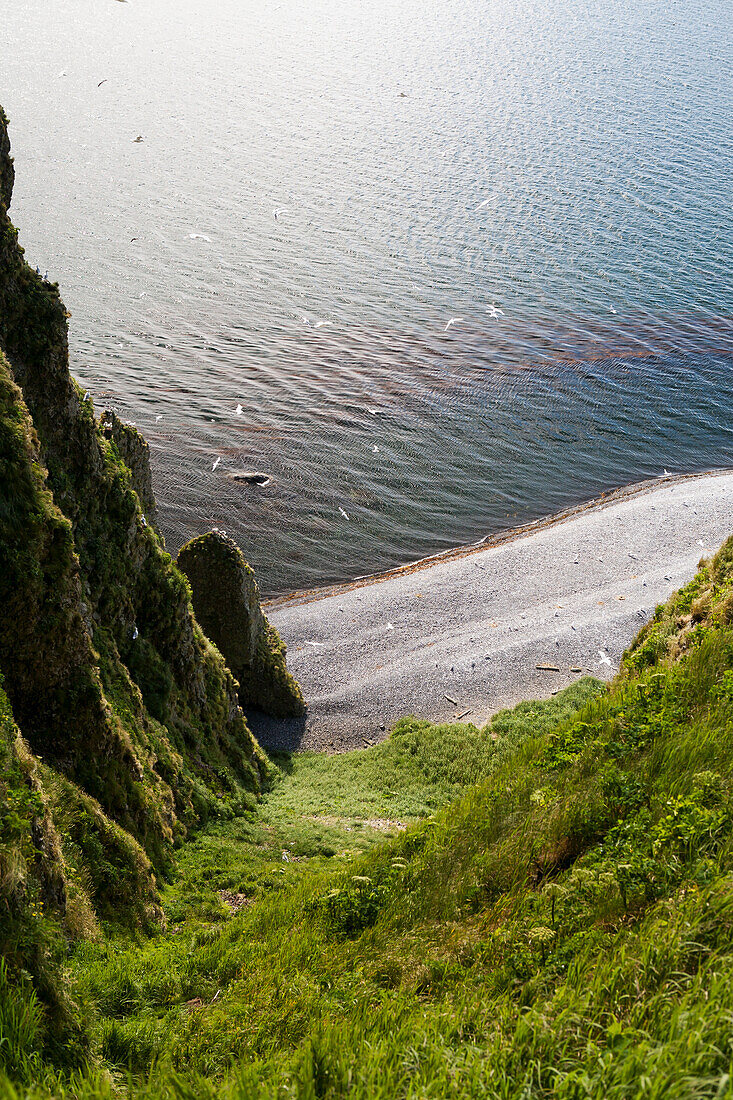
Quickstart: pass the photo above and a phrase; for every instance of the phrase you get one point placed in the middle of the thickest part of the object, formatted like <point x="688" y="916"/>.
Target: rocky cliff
<point x="121" y="727"/>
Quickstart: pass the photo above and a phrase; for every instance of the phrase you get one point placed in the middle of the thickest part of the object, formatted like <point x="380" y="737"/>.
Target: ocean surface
<point x="556" y="178"/>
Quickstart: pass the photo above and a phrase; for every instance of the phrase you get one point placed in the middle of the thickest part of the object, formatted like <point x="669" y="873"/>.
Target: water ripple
<point x="557" y="176"/>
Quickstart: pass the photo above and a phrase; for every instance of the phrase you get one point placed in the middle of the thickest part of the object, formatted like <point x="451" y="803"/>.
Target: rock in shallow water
<point x="252" y="477"/>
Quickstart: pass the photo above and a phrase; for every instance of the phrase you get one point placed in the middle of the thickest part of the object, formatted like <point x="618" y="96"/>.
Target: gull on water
<point x="320" y="324"/>
<point x="216" y="464"/>
<point x="239" y="410"/>
<point x="453" y="321"/>
<point x="199" y="237"/>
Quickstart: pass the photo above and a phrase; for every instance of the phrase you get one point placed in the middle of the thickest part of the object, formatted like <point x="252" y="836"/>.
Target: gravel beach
<point x="469" y="632"/>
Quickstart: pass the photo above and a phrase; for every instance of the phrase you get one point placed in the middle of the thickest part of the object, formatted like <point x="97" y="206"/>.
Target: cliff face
<point x="126" y="713"/>
<point x="51" y="671"/>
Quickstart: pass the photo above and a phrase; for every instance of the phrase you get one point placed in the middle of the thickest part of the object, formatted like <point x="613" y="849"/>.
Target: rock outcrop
<point x="134" y="451"/>
<point x="227" y="605"/>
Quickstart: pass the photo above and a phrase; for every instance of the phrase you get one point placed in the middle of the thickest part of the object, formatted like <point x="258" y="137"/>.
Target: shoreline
<point x="607" y="498"/>
<point x="468" y="632"/>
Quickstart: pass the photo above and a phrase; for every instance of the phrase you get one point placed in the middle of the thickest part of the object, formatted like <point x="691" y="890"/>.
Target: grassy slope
<point x="562" y="928"/>
<point x="322" y="812"/>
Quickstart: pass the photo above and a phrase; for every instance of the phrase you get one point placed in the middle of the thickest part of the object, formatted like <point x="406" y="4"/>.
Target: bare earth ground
<point x="463" y="634"/>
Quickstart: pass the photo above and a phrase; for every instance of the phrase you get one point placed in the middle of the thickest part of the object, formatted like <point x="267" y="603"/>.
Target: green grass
<point x="554" y="921"/>
<point x="418" y="769"/>
<point x="322" y="812"/>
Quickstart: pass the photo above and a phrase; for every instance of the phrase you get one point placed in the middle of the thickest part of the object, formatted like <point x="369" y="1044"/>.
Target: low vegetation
<point x="542" y="908"/>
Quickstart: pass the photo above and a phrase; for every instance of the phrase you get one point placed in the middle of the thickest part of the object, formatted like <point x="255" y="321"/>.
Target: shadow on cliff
<point x="276" y="734"/>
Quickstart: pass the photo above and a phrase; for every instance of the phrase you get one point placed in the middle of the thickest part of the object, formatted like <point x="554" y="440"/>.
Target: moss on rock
<point x="46" y="653"/>
<point x="134" y="451"/>
<point x="227" y="605"/>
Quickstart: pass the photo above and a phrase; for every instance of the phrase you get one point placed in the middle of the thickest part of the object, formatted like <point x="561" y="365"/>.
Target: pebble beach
<point x="465" y="634"/>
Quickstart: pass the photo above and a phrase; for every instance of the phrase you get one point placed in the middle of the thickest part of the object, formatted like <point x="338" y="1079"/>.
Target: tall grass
<point x="21" y="1027"/>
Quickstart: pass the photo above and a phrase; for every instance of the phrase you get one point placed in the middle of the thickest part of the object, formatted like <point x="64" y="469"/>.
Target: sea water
<point x="435" y="269"/>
